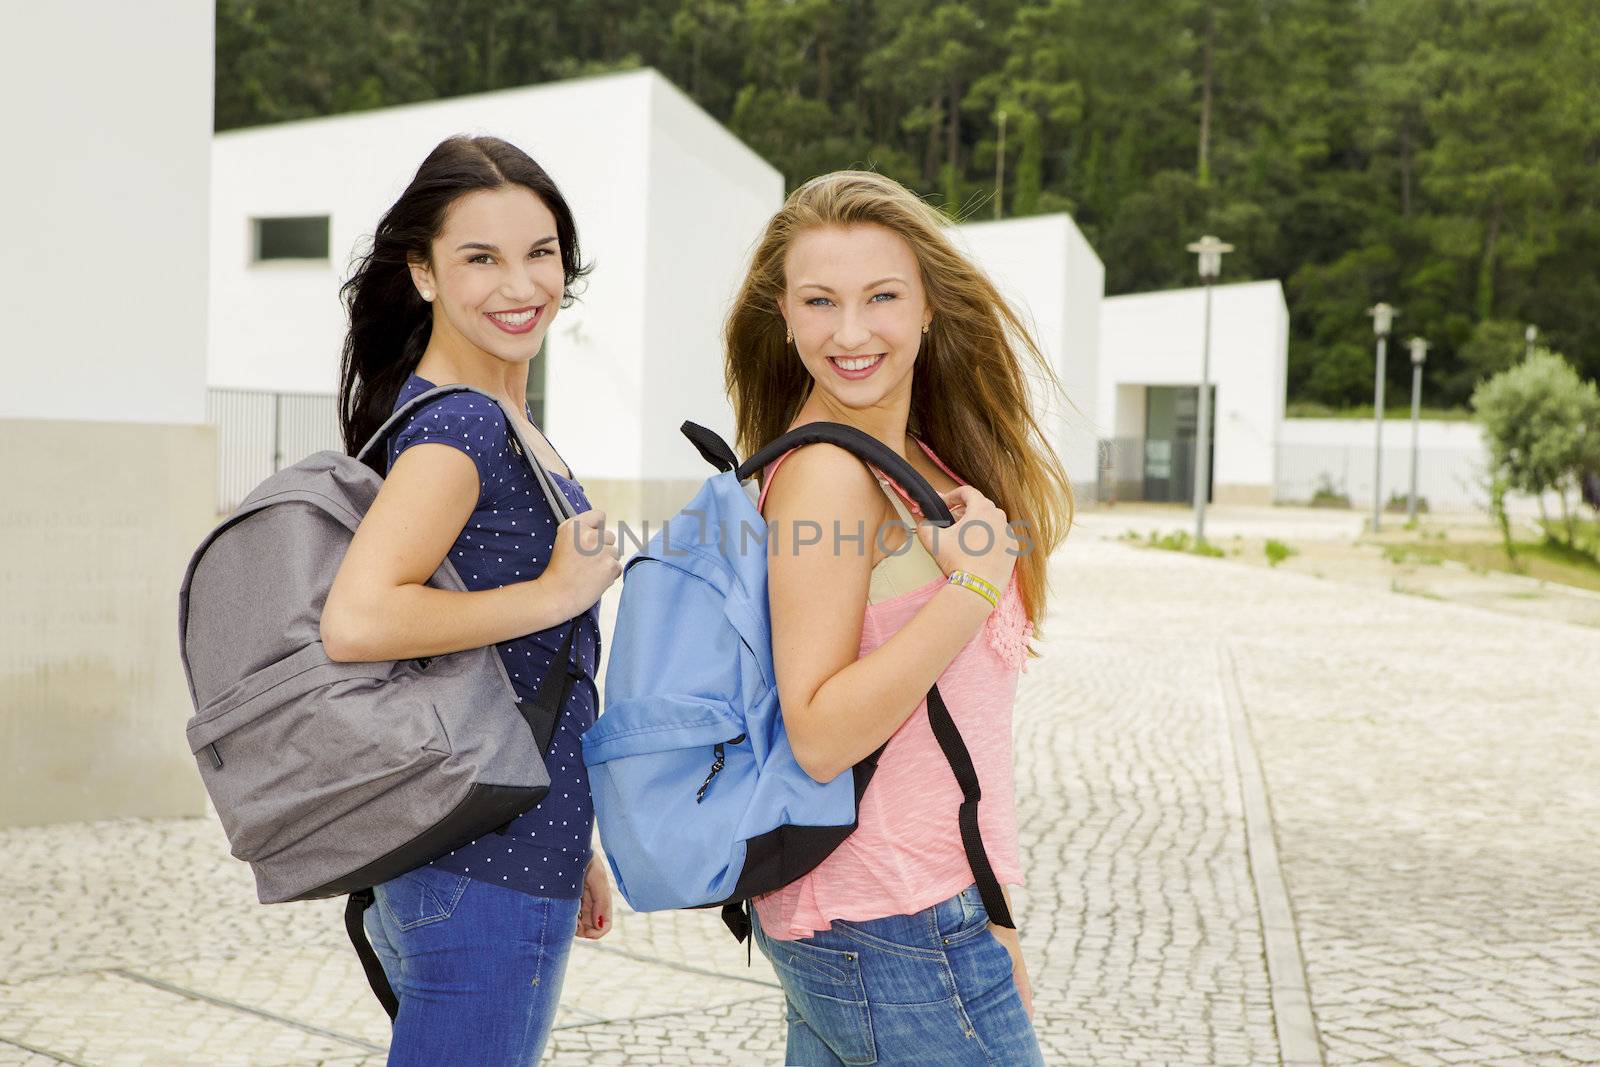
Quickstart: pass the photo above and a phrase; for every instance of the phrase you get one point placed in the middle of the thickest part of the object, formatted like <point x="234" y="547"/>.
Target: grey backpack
<point x="332" y="777"/>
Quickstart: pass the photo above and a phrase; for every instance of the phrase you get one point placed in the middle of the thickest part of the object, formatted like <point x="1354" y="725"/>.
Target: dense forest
<point x="1443" y="155"/>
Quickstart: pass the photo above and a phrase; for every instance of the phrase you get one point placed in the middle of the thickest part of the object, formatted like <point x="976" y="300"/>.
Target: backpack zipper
<point x="716" y="767"/>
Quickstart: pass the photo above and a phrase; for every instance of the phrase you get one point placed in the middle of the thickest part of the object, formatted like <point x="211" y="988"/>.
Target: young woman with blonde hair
<point x="858" y="309"/>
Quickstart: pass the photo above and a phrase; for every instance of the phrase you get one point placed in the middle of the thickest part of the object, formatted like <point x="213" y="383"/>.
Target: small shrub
<point x="1176" y="541"/>
<point x="1327" y="495"/>
<point x="1277" y="552"/>
<point x="1179" y="541"/>
<point x="1400" y="504"/>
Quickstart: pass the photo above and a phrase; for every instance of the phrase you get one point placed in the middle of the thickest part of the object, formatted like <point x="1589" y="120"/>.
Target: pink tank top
<point x="906" y="853"/>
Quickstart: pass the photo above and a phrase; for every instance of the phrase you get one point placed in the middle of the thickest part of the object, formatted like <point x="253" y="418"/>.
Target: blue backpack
<point x="699" y="799"/>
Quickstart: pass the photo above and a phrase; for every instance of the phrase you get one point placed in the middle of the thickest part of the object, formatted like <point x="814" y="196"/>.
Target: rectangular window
<point x="304" y="237"/>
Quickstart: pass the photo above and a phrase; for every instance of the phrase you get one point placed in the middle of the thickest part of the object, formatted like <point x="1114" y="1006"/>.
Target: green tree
<point x="1542" y="424"/>
<point x="1441" y="155"/>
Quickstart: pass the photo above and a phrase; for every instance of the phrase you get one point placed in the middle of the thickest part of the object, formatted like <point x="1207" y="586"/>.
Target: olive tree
<point x="1542" y="423"/>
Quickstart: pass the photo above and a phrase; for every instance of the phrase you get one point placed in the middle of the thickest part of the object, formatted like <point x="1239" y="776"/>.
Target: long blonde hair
<point x="969" y="393"/>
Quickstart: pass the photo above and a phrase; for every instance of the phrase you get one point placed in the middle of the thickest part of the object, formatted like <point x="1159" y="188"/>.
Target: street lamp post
<point x="1419" y="353"/>
<point x="1210" y="250"/>
<point x="1382" y="319"/>
<point x="1000" y="167"/>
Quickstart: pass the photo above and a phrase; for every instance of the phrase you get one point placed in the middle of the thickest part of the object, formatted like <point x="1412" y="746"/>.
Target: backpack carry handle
<point x="857" y="442"/>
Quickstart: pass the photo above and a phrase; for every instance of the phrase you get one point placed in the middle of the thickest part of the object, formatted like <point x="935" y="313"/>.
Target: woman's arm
<point x="838" y="708"/>
<point x="379" y="607"/>
<point x="1012" y="940"/>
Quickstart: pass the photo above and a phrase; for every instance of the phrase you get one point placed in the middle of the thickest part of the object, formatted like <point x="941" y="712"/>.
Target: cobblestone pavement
<point x="1434" y="772"/>
<point x="1432" y="769"/>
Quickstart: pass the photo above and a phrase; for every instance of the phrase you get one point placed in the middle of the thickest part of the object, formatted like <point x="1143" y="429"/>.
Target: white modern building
<point x="1051" y="276"/>
<point x="1149" y="379"/>
<point x="668" y="205"/>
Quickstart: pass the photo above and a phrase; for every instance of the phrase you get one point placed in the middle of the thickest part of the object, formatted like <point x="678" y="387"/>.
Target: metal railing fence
<point x="259" y="433"/>
<point x="1136" y="469"/>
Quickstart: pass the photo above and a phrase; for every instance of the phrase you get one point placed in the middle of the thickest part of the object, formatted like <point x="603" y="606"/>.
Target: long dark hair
<point x="390" y="323"/>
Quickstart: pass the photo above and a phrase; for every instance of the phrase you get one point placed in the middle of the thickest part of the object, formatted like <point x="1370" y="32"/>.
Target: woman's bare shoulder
<point x="823" y="481"/>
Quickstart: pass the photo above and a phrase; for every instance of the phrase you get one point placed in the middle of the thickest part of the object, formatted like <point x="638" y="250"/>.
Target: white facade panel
<point x="708" y="199"/>
<point x="103" y="281"/>
<point x="1053" y="279"/>
<point x="1154" y="339"/>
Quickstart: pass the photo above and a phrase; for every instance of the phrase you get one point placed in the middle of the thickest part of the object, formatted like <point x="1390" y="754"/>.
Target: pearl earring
<point x="427" y="294"/>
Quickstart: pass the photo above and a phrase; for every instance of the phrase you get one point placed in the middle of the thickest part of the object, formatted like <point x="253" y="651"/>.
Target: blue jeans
<point x="933" y="989"/>
<point x="477" y="967"/>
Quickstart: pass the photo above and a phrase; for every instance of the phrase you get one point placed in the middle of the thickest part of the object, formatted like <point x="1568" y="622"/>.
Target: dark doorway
<point x="1171" y="425"/>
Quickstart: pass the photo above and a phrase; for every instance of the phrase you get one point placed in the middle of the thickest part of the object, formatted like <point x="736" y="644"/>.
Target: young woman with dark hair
<point x="465" y="274"/>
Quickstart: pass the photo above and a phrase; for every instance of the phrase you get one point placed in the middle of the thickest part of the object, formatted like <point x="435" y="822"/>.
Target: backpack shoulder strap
<point x="865" y="447"/>
<point x="559" y="505"/>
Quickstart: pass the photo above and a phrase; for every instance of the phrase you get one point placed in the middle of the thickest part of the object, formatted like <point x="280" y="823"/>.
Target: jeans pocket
<point x="825" y="990"/>
<point x="421" y="896"/>
<point x="961" y="918"/>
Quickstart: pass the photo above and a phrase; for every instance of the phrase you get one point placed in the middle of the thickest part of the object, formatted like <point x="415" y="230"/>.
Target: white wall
<point x="102" y="284"/>
<point x="1052" y="277"/>
<point x="106" y="464"/>
<point x="709" y="198"/>
<point x="1462" y="435"/>
<point x="1451" y="459"/>
<point x="1155" y="339"/>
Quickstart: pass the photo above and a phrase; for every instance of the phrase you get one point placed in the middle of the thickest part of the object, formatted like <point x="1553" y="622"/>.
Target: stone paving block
<point x="109" y="1021"/>
<point x="137" y="891"/>
<point x="321" y="987"/>
<point x="606" y="986"/>
<point x="749" y="1033"/>
<point x="17" y="1056"/>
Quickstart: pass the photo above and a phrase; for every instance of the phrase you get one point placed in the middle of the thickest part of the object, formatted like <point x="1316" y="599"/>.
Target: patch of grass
<point x="1328" y="495"/>
<point x="1400" y="504"/>
<point x="1277" y="551"/>
<point x="1535" y="559"/>
<point x="1410" y="554"/>
<point x="1180" y="541"/>
<point x="1328" y="498"/>
<point x="1308" y="409"/>
<point x="1584" y="551"/>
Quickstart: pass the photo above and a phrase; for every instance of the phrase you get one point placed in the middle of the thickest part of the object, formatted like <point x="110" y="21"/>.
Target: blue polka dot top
<point x="509" y="538"/>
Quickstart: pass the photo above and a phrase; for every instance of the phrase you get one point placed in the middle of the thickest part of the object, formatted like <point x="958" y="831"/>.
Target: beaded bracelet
<point x="985" y="589"/>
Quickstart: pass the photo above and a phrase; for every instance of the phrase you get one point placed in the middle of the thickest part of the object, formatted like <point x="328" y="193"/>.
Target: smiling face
<point x="496" y="278"/>
<point x="855" y="304"/>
